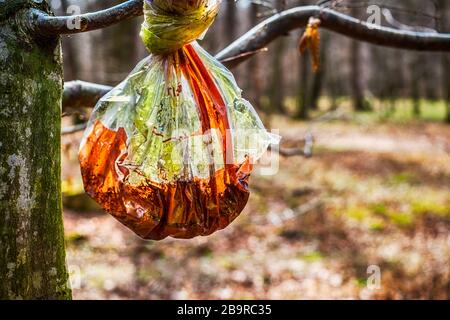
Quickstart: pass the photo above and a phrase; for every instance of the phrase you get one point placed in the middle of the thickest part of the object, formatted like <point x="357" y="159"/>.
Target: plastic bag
<point x="169" y="151"/>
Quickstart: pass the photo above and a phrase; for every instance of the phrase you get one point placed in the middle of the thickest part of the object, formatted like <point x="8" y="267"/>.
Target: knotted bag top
<point x="170" y="24"/>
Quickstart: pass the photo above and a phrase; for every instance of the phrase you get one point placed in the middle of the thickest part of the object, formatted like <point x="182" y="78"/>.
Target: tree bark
<point x="32" y="254"/>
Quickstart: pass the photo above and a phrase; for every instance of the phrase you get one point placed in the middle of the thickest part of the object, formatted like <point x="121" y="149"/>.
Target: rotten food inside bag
<point x="170" y="150"/>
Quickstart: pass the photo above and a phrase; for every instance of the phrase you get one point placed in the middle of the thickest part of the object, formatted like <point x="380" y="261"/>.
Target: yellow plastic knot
<point x="171" y="24"/>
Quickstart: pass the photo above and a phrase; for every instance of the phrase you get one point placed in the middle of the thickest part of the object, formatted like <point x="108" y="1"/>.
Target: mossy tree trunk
<point x="32" y="254"/>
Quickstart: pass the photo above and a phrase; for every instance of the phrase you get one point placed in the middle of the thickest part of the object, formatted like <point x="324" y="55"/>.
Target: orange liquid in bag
<point x="181" y="209"/>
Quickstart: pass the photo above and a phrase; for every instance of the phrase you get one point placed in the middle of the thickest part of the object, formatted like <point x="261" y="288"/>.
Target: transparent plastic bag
<point x="169" y="151"/>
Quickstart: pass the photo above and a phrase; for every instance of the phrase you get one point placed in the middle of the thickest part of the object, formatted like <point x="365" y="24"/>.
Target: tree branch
<point x="260" y="35"/>
<point x="47" y="25"/>
<point x="78" y="94"/>
<point x="81" y="94"/>
<point x="298" y="17"/>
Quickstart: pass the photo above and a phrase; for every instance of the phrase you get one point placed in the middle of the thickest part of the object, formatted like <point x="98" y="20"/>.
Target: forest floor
<point x="374" y="197"/>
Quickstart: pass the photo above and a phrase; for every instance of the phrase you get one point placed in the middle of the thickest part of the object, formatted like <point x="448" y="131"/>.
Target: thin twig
<point x="244" y="55"/>
<point x="81" y="94"/>
<point x="306" y="151"/>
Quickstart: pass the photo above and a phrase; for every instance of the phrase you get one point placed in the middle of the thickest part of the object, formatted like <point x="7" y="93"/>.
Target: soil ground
<point x="374" y="197"/>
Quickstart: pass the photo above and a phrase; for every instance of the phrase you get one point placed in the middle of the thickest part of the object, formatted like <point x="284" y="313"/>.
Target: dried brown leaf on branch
<point x="311" y="41"/>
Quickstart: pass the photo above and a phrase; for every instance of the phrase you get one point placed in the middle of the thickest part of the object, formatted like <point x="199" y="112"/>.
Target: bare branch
<point x="47" y="25"/>
<point x="306" y="150"/>
<point x="80" y="94"/>
<point x="298" y="17"/>
<point x="290" y="152"/>
<point x="262" y="34"/>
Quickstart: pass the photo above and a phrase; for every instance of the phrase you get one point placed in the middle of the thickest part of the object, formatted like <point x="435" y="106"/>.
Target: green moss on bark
<point x="32" y="254"/>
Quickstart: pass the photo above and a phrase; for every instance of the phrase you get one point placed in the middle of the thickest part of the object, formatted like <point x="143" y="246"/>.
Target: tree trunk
<point x="302" y="95"/>
<point x="71" y="68"/>
<point x="446" y="84"/>
<point x="120" y="53"/>
<point x="277" y="86"/>
<point x="356" y="73"/>
<point x="355" y="76"/>
<point x="32" y="254"/>
<point x="444" y="26"/>
<point x="277" y="78"/>
<point x="416" y="68"/>
<point x="230" y="21"/>
<point x="254" y="86"/>
<point x="317" y="84"/>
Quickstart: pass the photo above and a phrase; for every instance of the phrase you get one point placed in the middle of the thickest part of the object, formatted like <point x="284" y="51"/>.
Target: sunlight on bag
<point x="169" y="151"/>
